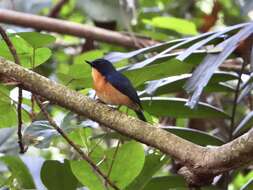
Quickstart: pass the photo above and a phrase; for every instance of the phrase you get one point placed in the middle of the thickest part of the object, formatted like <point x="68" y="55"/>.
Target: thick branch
<point x="199" y="161"/>
<point x="66" y="27"/>
<point x="74" y="101"/>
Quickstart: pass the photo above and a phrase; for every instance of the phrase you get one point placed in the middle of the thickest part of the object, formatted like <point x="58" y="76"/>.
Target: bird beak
<point x="90" y="63"/>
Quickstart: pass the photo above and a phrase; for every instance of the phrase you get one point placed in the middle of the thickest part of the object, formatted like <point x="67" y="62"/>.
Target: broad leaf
<point x="176" y="24"/>
<point x="58" y="176"/>
<point x="86" y="175"/>
<point x="36" y="39"/>
<point x="153" y="162"/>
<point x="157" y="71"/>
<point x="195" y="136"/>
<point x="176" y="83"/>
<point x="175" y="107"/>
<point x="126" y="163"/>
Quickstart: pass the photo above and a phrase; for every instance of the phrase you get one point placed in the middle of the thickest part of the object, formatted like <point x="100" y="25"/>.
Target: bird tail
<point x="140" y="115"/>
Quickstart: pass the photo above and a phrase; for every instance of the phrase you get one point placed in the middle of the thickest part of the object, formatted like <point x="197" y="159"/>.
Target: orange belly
<point x="107" y="93"/>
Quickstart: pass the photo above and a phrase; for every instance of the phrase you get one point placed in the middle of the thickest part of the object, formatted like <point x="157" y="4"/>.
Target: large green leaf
<point x="176" y="24"/>
<point x="128" y="163"/>
<point x="19" y="171"/>
<point x="42" y="55"/>
<point x="157" y="71"/>
<point x="153" y="162"/>
<point x="58" y="176"/>
<point x="86" y="175"/>
<point x="36" y="39"/>
<point x="175" y="107"/>
<point x="176" y="84"/>
<point x="24" y="50"/>
<point x="195" y="136"/>
<point x="8" y="116"/>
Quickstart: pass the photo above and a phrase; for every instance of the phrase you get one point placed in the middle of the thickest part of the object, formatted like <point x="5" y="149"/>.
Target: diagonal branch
<point x="67" y="27"/>
<point x="199" y="161"/>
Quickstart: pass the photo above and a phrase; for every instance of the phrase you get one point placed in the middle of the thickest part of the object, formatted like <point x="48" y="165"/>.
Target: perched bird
<point x="114" y="88"/>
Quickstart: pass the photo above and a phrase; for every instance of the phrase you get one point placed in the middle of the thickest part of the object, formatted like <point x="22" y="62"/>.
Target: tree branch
<point x="199" y="161"/>
<point x="80" y="30"/>
<point x="66" y="27"/>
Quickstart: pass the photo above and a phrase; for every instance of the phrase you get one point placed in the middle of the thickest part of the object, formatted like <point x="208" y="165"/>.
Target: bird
<point x="114" y="88"/>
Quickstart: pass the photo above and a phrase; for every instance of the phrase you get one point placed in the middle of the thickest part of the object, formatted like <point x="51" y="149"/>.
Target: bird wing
<point x="122" y="83"/>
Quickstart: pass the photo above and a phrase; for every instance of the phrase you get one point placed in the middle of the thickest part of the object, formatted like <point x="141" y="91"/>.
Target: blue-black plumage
<point x="112" y="87"/>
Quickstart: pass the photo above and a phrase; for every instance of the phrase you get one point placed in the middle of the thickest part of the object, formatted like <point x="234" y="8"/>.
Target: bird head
<point x="103" y="66"/>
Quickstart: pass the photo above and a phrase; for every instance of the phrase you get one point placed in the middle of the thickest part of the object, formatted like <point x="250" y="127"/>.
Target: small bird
<point x="114" y="88"/>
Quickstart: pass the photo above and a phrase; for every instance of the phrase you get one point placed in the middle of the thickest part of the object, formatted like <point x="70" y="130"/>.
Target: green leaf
<point x="19" y="171"/>
<point x="195" y="136"/>
<point x="163" y="106"/>
<point x="89" y="56"/>
<point x="166" y="183"/>
<point x="153" y="162"/>
<point x="42" y="55"/>
<point x="24" y="51"/>
<point x="169" y="68"/>
<point x="36" y="39"/>
<point x="8" y="116"/>
<point x="176" y="24"/>
<point x="86" y="175"/>
<point x="176" y="84"/>
<point x="58" y="176"/>
<point x="128" y="163"/>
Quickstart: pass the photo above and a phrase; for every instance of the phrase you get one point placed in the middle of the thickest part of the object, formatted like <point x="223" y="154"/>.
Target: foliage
<point x="161" y="73"/>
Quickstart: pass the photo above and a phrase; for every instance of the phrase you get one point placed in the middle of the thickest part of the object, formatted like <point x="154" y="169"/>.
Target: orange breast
<point x="107" y="93"/>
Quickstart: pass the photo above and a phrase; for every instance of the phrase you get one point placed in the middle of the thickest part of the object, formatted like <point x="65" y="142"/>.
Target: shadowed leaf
<point x="163" y="106"/>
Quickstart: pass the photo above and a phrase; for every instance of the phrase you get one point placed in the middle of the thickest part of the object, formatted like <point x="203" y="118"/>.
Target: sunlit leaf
<point x="86" y="175"/>
<point x="176" y="24"/>
<point x="126" y="164"/>
<point x="36" y="39"/>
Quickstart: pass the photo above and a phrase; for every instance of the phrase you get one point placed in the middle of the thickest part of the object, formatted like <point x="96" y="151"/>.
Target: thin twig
<point x="237" y="90"/>
<point x="20" y="96"/>
<point x="113" y="159"/>
<point x="57" y="8"/>
<point x="71" y="143"/>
